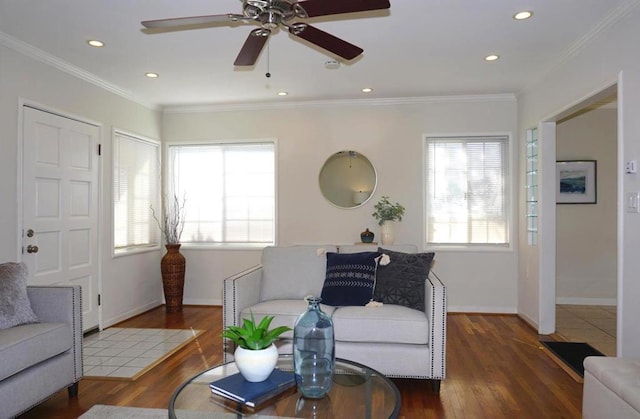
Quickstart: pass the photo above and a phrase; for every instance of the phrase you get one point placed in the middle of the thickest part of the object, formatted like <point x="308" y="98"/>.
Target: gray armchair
<point x="40" y="359"/>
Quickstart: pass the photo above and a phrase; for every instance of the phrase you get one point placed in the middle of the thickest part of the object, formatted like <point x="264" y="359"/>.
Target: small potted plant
<point x="256" y="354"/>
<point x="386" y="213"/>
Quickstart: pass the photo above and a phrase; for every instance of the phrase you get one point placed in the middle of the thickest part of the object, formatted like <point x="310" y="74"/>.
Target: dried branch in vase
<point x="172" y="222"/>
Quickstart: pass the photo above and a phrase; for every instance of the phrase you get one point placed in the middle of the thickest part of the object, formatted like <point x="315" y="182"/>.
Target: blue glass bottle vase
<point x="313" y="351"/>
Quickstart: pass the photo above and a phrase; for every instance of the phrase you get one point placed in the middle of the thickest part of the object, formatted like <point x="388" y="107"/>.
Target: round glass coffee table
<point x="357" y="392"/>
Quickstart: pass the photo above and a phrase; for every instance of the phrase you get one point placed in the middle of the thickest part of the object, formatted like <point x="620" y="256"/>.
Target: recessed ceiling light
<point x="367" y="90"/>
<point x="491" y="57"/>
<point x="152" y="75"/>
<point x="95" y="43"/>
<point x="282" y="93"/>
<point x="523" y="15"/>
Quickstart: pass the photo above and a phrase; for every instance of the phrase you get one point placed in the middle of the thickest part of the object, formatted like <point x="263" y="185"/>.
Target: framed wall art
<point x="576" y="182"/>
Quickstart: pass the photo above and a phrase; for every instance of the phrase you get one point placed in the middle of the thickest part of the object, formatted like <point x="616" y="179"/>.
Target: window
<point x="467" y="190"/>
<point x="136" y="179"/>
<point x="229" y="190"/>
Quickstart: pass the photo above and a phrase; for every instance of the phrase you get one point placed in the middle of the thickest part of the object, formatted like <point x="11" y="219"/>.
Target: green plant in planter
<point x="386" y="211"/>
<point x="252" y="337"/>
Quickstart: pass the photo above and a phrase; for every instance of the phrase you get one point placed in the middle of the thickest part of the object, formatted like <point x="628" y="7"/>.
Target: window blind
<point x="229" y="190"/>
<point x="466" y="194"/>
<point x="136" y="178"/>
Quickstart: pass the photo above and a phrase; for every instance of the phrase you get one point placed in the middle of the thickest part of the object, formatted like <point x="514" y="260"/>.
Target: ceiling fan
<point x="273" y="14"/>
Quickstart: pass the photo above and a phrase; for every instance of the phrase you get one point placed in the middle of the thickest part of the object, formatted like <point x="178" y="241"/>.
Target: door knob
<point x="30" y="233"/>
<point x="32" y="249"/>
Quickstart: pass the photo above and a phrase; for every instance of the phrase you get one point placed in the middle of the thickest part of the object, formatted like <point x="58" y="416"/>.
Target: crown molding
<point x="584" y="41"/>
<point x="55" y="62"/>
<point x="609" y="20"/>
<point x="233" y="107"/>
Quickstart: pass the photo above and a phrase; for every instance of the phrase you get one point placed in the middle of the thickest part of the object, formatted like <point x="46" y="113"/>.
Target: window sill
<point x="133" y="251"/>
<point x="479" y="248"/>
<point x="225" y="246"/>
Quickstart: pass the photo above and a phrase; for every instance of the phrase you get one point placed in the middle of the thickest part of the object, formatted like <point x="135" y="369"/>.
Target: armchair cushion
<point x="350" y="278"/>
<point x="402" y="280"/>
<point x="27" y="345"/>
<point x="15" y="307"/>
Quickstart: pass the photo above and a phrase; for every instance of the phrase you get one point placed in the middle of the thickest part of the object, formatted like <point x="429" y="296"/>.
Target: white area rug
<point x="101" y="411"/>
<point x="127" y="353"/>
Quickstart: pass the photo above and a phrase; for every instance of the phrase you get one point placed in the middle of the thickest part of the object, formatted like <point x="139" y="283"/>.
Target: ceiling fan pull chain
<point x="268" y="74"/>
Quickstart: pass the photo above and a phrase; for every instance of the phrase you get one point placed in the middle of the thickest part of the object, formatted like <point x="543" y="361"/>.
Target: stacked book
<point x="236" y="388"/>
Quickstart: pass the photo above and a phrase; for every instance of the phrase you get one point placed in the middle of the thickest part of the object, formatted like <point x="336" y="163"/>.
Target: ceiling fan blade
<point x="313" y="8"/>
<point x="190" y="21"/>
<point x="325" y="40"/>
<point x="252" y="47"/>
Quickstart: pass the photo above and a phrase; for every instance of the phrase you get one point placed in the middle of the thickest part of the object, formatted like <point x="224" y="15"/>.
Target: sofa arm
<point x="436" y="311"/>
<point x="61" y="304"/>
<point x="238" y="292"/>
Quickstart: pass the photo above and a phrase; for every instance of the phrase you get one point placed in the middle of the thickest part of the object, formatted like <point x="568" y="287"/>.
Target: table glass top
<point x="357" y="392"/>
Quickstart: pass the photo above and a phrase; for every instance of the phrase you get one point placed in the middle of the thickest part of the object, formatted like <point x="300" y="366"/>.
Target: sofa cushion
<point x="402" y="280"/>
<point x="388" y="323"/>
<point x="285" y="312"/>
<point x="26" y="345"/>
<point x="350" y="278"/>
<point x="15" y="307"/>
<point x="293" y="272"/>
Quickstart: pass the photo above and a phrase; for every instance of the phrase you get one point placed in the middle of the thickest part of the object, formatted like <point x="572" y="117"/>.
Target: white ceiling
<point x="417" y="48"/>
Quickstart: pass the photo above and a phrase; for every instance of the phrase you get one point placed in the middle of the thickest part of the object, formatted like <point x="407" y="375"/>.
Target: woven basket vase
<point x="172" y="266"/>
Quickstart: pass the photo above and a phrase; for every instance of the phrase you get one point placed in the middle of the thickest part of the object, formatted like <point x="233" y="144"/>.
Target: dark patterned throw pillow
<point x="401" y="282"/>
<point x="350" y="278"/>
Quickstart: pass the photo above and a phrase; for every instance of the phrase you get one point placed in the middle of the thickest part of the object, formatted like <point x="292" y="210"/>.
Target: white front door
<point x="60" y="204"/>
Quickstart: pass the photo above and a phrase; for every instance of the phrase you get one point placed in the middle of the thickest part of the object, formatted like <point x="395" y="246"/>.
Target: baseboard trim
<point x="202" y="301"/>
<point x="587" y="301"/>
<point x="131" y="313"/>
<point x="482" y="310"/>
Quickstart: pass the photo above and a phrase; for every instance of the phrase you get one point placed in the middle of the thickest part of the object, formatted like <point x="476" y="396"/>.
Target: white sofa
<point x="394" y="340"/>
<point x="611" y="388"/>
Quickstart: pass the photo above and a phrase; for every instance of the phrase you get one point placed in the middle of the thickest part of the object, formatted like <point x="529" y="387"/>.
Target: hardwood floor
<point x="496" y="368"/>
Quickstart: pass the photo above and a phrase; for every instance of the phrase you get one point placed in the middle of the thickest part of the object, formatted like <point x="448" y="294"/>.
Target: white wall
<point x="391" y="137"/>
<point x="129" y="284"/>
<point x="586" y="254"/>
<point x="610" y="55"/>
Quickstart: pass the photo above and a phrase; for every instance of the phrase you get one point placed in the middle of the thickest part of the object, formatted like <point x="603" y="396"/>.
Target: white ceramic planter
<point x="256" y="366"/>
<point x="387" y="232"/>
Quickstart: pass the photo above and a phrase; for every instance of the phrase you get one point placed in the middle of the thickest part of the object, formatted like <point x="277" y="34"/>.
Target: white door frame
<point x="20" y="182"/>
<point x="547" y="261"/>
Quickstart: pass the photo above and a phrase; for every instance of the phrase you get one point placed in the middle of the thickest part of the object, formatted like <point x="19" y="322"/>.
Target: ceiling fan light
<point x="332" y="64"/>
<point x="526" y="14"/>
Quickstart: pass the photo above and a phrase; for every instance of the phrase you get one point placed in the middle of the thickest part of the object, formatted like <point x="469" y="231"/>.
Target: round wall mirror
<point x="348" y="179"/>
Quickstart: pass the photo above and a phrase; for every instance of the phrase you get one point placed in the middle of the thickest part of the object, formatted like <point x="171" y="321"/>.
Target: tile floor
<point x="595" y="325"/>
<point x="130" y="352"/>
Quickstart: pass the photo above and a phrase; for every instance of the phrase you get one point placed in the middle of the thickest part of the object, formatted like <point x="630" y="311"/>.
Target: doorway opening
<point x="579" y="284"/>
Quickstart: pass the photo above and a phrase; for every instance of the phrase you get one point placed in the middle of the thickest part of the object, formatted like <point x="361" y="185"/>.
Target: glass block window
<point x="532" y="187"/>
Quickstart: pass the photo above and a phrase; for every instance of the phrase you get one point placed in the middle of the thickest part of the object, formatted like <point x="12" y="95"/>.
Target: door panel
<point x="60" y="205"/>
